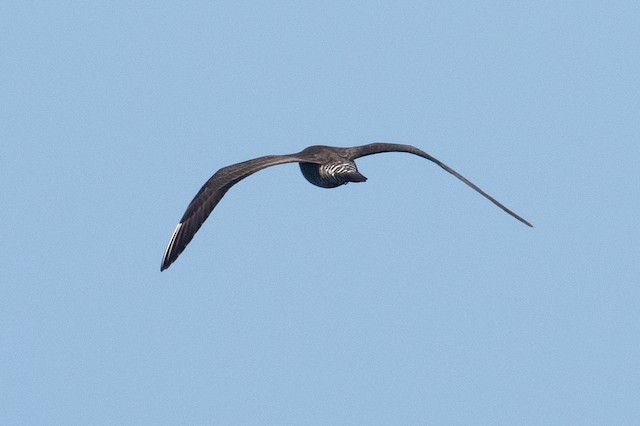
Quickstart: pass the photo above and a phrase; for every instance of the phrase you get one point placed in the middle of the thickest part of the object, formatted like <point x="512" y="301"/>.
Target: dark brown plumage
<point x="324" y="166"/>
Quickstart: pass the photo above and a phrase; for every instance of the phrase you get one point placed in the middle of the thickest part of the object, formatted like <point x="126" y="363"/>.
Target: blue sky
<point x="408" y="299"/>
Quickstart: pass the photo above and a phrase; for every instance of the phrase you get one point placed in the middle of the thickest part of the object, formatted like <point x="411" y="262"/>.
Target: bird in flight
<point x="323" y="166"/>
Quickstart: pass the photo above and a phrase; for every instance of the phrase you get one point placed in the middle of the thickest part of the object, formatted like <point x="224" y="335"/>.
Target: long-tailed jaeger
<point x="324" y="166"/>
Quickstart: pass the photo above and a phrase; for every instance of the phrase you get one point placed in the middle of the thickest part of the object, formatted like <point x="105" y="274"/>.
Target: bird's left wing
<point x="208" y="197"/>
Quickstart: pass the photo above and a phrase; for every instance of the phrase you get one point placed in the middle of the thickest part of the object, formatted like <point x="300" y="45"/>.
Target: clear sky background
<point x="408" y="299"/>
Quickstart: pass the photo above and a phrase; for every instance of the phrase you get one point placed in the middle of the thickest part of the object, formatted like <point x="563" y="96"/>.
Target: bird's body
<point x="323" y="166"/>
<point x="331" y="175"/>
<point x="335" y="168"/>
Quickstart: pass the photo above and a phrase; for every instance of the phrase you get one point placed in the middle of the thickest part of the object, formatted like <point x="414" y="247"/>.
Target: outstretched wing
<point x="208" y="197"/>
<point x="376" y="148"/>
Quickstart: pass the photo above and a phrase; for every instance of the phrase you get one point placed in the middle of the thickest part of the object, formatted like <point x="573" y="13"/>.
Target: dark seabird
<point x="324" y="166"/>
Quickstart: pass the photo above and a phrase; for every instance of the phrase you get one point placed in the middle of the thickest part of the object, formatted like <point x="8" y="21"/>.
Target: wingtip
<point x="165" y="263"/>
<point x="526" y="222"/>
<point x="169" y="257"/>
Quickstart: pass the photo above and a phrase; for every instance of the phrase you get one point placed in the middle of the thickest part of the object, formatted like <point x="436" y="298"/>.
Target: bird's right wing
<point x="208" y="197"/>
<point x="379" y="147"/>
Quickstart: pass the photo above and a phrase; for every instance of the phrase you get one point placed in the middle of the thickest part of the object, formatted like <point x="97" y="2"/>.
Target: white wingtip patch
<point x="171" y="243"/>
